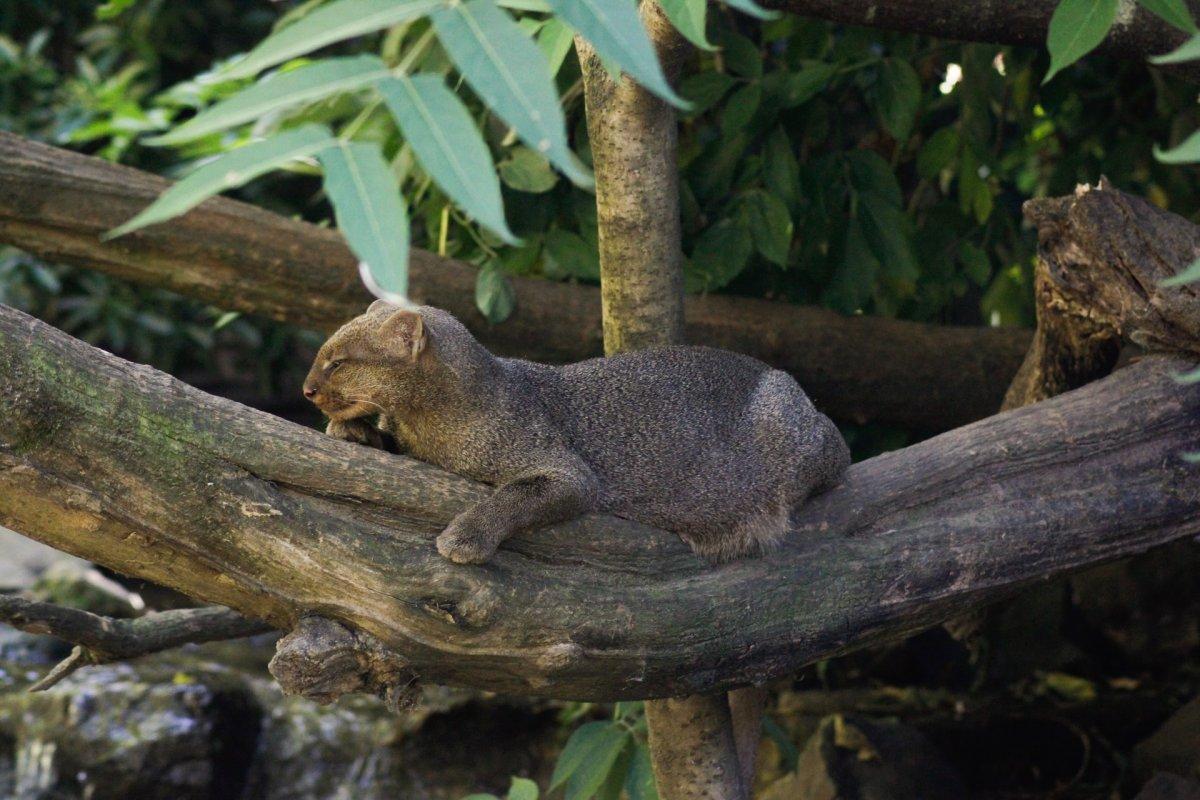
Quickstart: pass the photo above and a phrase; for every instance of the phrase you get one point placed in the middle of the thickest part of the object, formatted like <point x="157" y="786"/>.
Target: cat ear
<point x="403" y="333"/>
<point x="378" y="304"/>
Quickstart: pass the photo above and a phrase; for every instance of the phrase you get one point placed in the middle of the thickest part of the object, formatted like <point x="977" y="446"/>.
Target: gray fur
<point x="715" y="446"/>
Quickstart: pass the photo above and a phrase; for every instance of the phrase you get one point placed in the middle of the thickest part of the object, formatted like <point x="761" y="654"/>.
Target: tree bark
<point x="127" y="467"/>
<point x="55" y="204"/>
<point x="633" y="135"/>
<point x="1137" y="34"/>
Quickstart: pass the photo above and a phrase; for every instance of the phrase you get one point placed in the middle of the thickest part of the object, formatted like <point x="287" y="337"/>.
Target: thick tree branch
<point x="1137" y="34"/>
<point x="127" y="467"/>
<point x="100" y="639"/>
<point x="56" y="204"/>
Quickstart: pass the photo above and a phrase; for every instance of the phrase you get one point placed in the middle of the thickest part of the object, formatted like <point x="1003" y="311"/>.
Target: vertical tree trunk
<point x="633" y="137"/>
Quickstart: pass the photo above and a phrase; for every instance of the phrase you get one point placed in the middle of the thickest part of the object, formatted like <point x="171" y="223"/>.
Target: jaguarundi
<point x="715" y="446"/>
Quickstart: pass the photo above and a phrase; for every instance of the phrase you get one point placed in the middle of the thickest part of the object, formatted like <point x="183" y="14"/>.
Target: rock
<point x="177" y="726"/>
<point x="24" y="560"/>
<point x="1165" y="786"/>
<point x="854" y="758"/>
<point x="77" y="584"/>
<point x="1174" y="747"/>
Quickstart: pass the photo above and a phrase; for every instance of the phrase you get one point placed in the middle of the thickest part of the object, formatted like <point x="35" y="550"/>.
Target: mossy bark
<point x="129" y="468"/>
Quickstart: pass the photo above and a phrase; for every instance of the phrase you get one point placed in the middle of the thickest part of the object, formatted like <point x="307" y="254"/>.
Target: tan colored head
<point x="362" y="366"/>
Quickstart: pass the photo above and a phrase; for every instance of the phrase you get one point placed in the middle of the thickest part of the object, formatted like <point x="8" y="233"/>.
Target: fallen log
<point x="134" y="470"/>
<point x="56" y="204"/>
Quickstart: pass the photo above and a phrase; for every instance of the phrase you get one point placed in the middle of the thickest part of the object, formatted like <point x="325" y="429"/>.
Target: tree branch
<point x="1137" y="34"/>
<point x="100" y="639"/>
<point x="131" y="469"/>
<point x="55" y="204"/>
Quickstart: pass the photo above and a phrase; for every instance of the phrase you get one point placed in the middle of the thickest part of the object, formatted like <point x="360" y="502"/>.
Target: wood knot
<point x="322" y="660"/>
<point x="558" y="657"/>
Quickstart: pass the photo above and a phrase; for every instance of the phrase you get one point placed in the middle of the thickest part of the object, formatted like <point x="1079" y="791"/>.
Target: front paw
<point x="462" y="546"/>
<point x="355" y="430"/>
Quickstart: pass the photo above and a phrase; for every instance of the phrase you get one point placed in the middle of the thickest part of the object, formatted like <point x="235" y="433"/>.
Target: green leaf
<point x="308" y="83"/>
<point x="1189" y="377"/>
<point x="577" y="749"/>
<point x="897" y="97"/>
<point x="481" y="797"/>
<point x="854" y="279"/>
<point x="1173" y="12"/>
<point x="719" y="256"/>
<point x="1189" y="275"/>
<point x="509" y="72"/>
<point x="229" y="170"/>
<point x="597" y="763"/>
<point x="704" y="90"/>
<point x="1186" y="153"/>
<point x="639" y="781"/>
<point x="446" y="140"/>
<point x="689" y="18"/>
<point x="495" y="299"/>
<point x="975" y="263"/>
<point x="752" y="8"/>
<point x="526" y="171"/>
<point x="742" y="56"/>
<point x="974" y="194"/>
<point x="804" y="85"/>
<point x="937" y="152"/>
<point x="1188" y="51"/>
<point x="556" y="40"/>
<point x="888" y="231"/>
<point x="615" y="30"/>
<point x="1076" y="28"/>
<point x="740" y="109"/>
<point x="570" y="255"/>
<point x="869" y="173"/>
<point x="769" y="224"/>
<point x="328" y="24"/>
<point x="523" y="789"/>
<point x="614" y="782"/>
<point x="370" y="211"/>
<point x="781" y="170"/>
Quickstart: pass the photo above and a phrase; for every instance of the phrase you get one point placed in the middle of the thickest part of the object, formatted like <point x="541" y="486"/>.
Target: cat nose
<point x="309" y="392"/>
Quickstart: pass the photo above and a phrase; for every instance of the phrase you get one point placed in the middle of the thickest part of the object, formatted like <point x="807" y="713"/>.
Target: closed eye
<point x="332" y="366"/>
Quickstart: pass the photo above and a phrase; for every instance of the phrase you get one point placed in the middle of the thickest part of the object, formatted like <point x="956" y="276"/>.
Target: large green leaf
<point x="854" y="280"/>
<point x="326" y="25"/>
<point x="888" y="231"/>
<point x="719" y="256"/>
<point x="1188" y="51"/>
<point x="509" y="72"/>
<point x="447" y="141"/>
<point x="494" y="295"/>
<point x="1189" y="275"/>
<point x="689" y="17"/>
<point x="1187" y="152"/>
<point x="229" y="170"/>
<point x="369" y="210"/>
<point x="615" y="30"/>
<point x="897" y="97"/>
<point x="802" y="86"/>
<point x="556" y="40"/>
<point x="594" y="768"/>
<point x="577" y="750"/>
<point x="769" y="224"/>
<point x="639" y="781"/>
<point x="311" y="82"/>
<point x="1076" y="28"/>
<point x="752" y="8"/>
<point x="1174" y="12"/>
<point x="937" y="152"/>
<point x="522" y="789"/>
